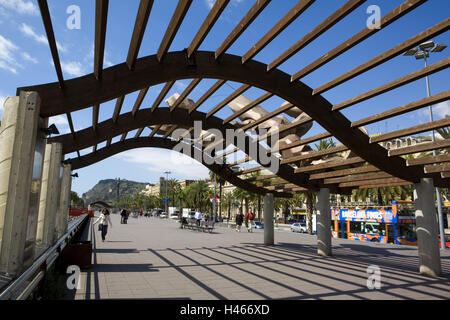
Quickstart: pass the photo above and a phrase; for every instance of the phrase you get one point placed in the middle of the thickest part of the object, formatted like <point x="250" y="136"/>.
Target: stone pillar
<point x="64" y="204"/>
<point x="17" y="147"/>
<point x="427" y="228"/>
<point x="50" y="195"/>
<point x="323" y="223"/>
<point x="268" y="220"/>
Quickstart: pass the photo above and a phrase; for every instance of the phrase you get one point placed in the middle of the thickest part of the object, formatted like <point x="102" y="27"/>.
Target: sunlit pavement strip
<point x="151" y="258"/>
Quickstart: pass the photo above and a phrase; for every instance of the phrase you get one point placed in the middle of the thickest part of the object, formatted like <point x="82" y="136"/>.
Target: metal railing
<point x="25" y="284"/>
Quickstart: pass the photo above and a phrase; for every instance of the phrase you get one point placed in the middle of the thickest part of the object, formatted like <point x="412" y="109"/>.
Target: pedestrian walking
<point x="141" y="212"/>
<point x="249" y="217"/>
<point x="198" y="215"/>
<point x="239" y="220"/>
<point x="105" y="221"/>
<point x="123" y="214"/>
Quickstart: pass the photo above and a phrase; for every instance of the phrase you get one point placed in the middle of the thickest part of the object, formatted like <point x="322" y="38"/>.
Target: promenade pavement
<point x="151" y="258"/>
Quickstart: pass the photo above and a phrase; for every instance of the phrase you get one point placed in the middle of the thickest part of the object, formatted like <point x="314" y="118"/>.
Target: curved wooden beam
<point x="179" y="117"/>
<point x="146" y="142"/>
<point x="118" y="80"/>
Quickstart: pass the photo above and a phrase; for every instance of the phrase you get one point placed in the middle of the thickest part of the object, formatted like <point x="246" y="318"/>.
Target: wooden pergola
<point x="369" y="163"/>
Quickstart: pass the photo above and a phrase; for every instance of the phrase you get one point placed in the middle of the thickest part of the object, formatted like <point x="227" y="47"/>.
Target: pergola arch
<point x="117" y="81"/>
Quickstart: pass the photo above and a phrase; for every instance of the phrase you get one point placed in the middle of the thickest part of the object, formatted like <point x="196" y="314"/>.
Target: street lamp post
<point x="423" y="52"/>
<point x="167" y="194"/>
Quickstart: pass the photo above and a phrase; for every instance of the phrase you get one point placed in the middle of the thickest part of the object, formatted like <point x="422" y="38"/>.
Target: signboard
<point x="211" y="198"/>
<point x="367" y="215"/>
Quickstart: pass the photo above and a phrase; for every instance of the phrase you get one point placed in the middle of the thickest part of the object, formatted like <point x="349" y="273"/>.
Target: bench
<point x="192" y="225"/>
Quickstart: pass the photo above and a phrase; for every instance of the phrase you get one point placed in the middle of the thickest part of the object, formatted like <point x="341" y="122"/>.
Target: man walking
<point x="239" y="220"/>
<point x="249" y="217"/>
<point x="198" y="215"/>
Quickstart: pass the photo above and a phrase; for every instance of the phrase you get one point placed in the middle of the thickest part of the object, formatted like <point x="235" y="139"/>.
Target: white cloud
<point x="160" y="160"/>
<point x="2" y="101"/>
<point x="7" y="49"/>
<point x="74" y="68"/>
<point x="27" y="57"/>
<point x="440" y="110"/>
<point x="209" y="3"/>
<point x="28" y="31"/>
<point x="20" y="6"/>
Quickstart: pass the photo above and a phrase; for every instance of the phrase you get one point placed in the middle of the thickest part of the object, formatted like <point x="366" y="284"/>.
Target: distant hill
<point x="106" y="190"/>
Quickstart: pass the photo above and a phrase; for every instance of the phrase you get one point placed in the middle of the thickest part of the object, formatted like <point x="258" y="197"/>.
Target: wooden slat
<point x="140" y="25"/>
<point x="94" y="148"/>
<point x="387" y="55"/>
<point x="389" y="18"/>
<point x="95" y="112"/>
<point x="208" y="23"/>
<point x="251" y="15"/>
<point x="69" y="120"/>
<point x="228" y="152"/>
<point x="381" y="185"/>
<point x="290" y="17"/>
<point x="428" y="160"/>
<point x="441" y="65"/>
<point x="302" y="142"/>
<point x="329" y="22"/>
<point x="117" y="108"/>
<point x="445" y="174"/>
<point x="343" y="172"/>
<point x="331" y="164"/>
<point x="188" y="132"/>
<point x="385" y="182"/>
<point x="139" y="100"/>
<point x="43" y="7"/>
<point x="124" y="135"/>
<point x="78" y="154"/>
<point x="101" y="17"/>
<point x="108" y="142"/>
<point x="185" y="93"/>
<point x="169" y="132"/>
<point x="255" y="169"/>
<point x="249" y="106"/>
<point x="154" y="131"/>
<point x="314" y="154"/>
<point x="285" y="128"/>
<point x="207" y="94"/>
<point x="162" y="94"/>
<point x="241" y="161"/>
<point x="174" y="24"/>
<point x="359" y="177"/>
<point x="412" y="130"/>
<point x="420" y="148"/>
<point x="259" y="178"/>
<point x="437" y="168"/>
<point x="228" y="99"/>
<point x="444" y="96"/>
<point x="268" y="116"/>
<point x="138" y="133"/>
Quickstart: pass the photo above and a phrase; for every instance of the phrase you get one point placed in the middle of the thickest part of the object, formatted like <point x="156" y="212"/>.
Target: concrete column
<point x="50" y="195"/>
<point x="323" y="223"/>
<point x="17" y="147"/>
<point x="64" y="204"/>
<point x="268" y="220"/>
<point x="427" y="228"/>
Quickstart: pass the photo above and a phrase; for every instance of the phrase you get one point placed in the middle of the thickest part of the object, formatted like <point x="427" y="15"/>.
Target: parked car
<point x="163" y="215"/>
<point x="258" y="225"/>
<point x="299" y="227"/>
<point x="174" y="215"/>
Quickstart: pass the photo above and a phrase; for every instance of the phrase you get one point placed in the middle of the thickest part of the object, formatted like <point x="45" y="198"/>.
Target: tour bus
<point x="394" y="224"/>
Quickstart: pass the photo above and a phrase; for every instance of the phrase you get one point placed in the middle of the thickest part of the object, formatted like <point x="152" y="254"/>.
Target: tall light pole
<point x="215" y="200"/>
<point x="423" y="52"/>
<point x="167" y="194"/>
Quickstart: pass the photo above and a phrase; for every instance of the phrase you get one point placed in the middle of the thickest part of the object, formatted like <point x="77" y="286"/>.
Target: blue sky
<point x="25" y="59"/>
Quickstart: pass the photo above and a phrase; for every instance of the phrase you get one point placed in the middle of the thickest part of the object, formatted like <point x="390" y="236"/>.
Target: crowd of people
<point x="247" y="219"/>
<point x="105" y="219"/>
